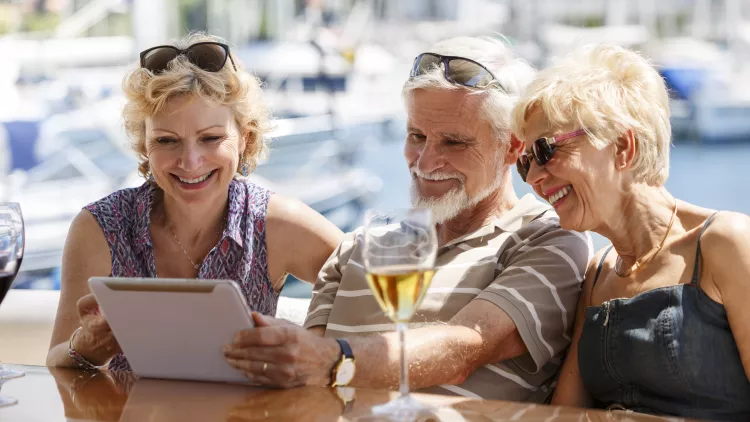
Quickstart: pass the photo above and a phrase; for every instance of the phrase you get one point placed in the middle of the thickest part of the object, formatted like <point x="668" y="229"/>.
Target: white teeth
<point x="196" y="180"/>
<point x="559" y="194"/>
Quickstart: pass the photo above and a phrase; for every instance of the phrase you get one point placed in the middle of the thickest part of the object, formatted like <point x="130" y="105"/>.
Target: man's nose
<point x="430" y="158"/>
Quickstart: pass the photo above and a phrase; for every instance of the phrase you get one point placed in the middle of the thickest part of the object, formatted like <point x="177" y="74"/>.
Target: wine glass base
<point x="404" y="408"/>
<point x="7" y="401"/>
<point x="9" y="374"/>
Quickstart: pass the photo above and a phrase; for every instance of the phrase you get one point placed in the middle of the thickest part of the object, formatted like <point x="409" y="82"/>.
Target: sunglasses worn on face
<point x="542" y="150"/>
<point x="458" y="70"/>
<point x="209" y="56"/>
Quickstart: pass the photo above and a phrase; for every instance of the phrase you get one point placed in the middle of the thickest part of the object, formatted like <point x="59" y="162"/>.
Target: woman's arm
<point x="298" y="240"/>
<point x="570" y="390"/>
<point x="86" y="255"/>
<point x="725" y="248"/>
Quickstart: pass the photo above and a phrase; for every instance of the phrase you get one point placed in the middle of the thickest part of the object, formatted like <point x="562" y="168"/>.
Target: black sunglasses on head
<point x="543" y="149"/>
<point x="209" y="55"/>
<point x="458" y="70"/>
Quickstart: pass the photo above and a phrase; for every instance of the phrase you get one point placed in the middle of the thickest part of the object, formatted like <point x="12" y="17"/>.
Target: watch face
<point x="345" y="372"/>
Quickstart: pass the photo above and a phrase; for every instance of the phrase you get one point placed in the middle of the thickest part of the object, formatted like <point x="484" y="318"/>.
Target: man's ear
<point x="515" y="149"/>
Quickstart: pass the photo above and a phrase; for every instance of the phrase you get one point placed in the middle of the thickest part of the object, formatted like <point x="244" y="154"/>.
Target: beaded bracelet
<point x="79" y="358"/>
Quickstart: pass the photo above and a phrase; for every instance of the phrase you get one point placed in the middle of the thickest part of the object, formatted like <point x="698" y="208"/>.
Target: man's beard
<point x="452" y="203"/>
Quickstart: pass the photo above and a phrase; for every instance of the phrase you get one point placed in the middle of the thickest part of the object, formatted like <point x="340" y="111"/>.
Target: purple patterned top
<point x="240" y="255"/>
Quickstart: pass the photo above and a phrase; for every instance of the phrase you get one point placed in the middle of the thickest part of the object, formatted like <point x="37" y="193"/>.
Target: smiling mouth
<point x="195" y="180"/>
<point x="560" y="194"/>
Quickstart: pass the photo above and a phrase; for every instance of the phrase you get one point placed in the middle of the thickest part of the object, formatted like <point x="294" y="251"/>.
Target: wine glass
<point x="12" y="243"/>
<point x="399" y="251"/>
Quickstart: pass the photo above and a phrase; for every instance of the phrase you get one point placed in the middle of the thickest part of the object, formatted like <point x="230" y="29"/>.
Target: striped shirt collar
<point x="525" y="210"/>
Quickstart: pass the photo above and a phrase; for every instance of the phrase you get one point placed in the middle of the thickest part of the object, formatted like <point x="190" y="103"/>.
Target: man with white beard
<point x="497" y="318"/>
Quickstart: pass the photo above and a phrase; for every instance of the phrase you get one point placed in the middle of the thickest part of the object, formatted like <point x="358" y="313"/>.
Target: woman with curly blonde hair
<point x="197" y="122"/>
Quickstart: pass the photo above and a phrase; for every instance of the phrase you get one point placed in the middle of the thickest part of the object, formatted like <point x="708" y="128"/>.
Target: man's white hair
<point x="494" y="54"/>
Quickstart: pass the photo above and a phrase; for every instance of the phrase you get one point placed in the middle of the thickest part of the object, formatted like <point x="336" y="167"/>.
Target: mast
<point x="154" y="22"/>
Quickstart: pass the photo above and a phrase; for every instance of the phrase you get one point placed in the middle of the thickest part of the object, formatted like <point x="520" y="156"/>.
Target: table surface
<point x="54" y="394"/>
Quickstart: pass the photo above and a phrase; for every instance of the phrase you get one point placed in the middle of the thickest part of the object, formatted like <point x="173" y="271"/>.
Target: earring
<point x="151" y="177"/>
<point x="245" y="169"/>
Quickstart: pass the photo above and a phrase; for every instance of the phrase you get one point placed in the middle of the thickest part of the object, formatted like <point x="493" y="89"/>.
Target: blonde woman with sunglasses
<point x="662" y="324"/>
<point x="197" y="122"/>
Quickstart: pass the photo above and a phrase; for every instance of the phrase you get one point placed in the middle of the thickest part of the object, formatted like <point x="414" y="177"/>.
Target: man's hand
<point x="280" y="354"/>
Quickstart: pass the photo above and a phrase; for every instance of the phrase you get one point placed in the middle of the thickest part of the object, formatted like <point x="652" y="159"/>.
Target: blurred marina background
<point x="333" y="72"/>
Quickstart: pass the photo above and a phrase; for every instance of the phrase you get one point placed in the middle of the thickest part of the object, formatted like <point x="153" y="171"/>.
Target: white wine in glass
<point x="400" y="290"/>
<point x="399" y="252"/>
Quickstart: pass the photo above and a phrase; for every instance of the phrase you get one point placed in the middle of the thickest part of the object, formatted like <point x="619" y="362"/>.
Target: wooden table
<point x="51" y="394"/>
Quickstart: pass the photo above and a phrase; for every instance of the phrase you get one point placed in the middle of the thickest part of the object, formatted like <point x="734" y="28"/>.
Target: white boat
<point x="710" y="89"/>
<point x="301" y="79"/>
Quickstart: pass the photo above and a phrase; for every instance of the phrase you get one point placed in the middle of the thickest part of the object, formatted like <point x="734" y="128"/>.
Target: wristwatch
<point x="343" y="371"/>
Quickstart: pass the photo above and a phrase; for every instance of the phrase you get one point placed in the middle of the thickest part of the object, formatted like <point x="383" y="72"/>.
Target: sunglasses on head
<point x="209" y="56"/>
<point x="542" y="150"/>
<point x="458" y="70"/>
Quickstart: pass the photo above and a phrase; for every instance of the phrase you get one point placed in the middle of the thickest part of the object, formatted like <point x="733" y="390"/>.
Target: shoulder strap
<point x="599" y="267"/>
<point x="696" y="266"/>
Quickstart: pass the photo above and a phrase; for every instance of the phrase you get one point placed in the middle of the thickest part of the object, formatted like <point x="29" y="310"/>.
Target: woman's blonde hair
<point x="606" y="90"/>
<point x="147" y="94"/>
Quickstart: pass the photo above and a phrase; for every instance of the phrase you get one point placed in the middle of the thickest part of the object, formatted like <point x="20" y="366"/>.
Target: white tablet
<point x="174" y="328"/>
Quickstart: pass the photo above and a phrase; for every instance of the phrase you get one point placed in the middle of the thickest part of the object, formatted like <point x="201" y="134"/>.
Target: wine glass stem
<point x="404" y="379"/>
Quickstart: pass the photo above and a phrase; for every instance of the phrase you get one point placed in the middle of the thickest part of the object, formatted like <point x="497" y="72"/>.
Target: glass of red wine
<point x="12" y="243"/>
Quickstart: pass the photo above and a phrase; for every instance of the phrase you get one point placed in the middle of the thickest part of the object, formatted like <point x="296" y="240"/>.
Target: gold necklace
<point x="196" y="266"/>
<point x="650" y="254"/>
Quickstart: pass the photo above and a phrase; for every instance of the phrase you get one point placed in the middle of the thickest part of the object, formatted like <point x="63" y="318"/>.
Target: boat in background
<point x="709" y="89"/>
<point x="305" y="79"/>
